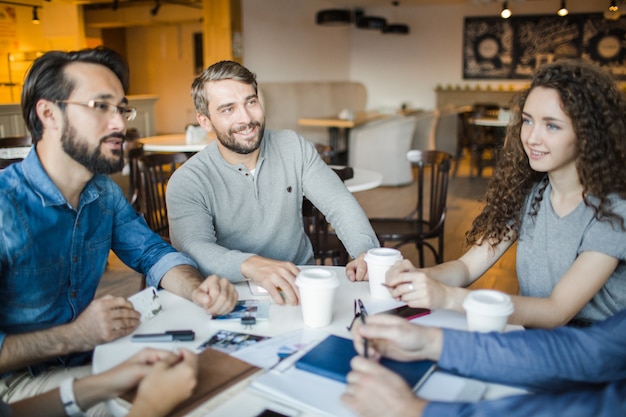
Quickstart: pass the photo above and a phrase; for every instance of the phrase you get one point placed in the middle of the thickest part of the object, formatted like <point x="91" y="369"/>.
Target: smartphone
<point x="408" y="313"/>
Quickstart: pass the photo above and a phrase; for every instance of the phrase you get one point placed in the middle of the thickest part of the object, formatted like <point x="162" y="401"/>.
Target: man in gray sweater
<point x="236" y="207"/>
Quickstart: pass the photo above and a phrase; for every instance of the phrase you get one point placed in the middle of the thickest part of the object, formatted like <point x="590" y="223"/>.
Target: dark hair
<point x="597" y="109"/>
<point x="223" y="70"/>
<point x="46" y="79"/>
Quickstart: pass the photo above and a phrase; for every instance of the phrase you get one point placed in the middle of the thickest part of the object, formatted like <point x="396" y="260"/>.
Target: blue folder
<point x="331" y="359"/>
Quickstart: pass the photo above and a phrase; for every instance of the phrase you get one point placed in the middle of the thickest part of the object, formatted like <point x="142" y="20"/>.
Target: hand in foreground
<point x="375" y="391"/>
<point x="216" y="295"/>
<point x="356" y="270"/>
<point x="130" y="373"/>
<point x="105" y="319"/>
<point x="416" y="288"/>
<point x="277" y="277"/>
<point x="396" y="338"/>
<point x="169" y="382"/>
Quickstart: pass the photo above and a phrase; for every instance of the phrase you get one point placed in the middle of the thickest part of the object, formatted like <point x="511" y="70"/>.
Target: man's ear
<point x="49" y="114"/>
<point x="204" y="122"/>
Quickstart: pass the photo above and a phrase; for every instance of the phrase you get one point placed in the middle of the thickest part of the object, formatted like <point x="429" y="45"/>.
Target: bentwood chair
<point x="427" y="220"/>
<point x="134" y="151"/>
<point x="155" y="171"/>
<point x="326" y="243"/>
<point x="9" y="142"/>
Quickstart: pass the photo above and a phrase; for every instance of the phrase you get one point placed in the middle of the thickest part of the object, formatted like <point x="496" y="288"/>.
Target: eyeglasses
<point x="359" y="313"/>
<point x="129" y="113"/>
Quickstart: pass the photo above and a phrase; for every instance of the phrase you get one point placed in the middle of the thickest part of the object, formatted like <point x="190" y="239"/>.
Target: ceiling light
<point x="371" y="22"/>
<point x="35" y="20"/>
<point x="506" y="12"/>
<point x="333" y="17"/>
<point x="563" y="10"/>
<point x="613" y="12"/>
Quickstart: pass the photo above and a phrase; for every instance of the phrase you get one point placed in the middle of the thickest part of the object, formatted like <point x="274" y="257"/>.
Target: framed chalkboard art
<point x="495" y="48"/>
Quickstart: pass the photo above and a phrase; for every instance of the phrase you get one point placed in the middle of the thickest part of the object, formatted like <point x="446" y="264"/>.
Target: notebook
<point x="331" y="359"/>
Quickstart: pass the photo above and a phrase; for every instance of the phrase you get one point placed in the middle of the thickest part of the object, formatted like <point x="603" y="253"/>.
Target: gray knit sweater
<point x="221" y="214"/>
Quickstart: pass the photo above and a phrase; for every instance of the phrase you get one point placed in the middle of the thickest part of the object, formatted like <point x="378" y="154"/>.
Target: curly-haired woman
<point x="559" y="190"/>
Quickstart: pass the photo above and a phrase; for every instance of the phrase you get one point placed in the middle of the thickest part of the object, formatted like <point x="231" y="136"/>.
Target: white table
<point x="176" y="142"/>
<point x="489" y="122"/>
<point x="179" y="313"/>
<point x="15" y="153"/>
<point x="363" y="179"/>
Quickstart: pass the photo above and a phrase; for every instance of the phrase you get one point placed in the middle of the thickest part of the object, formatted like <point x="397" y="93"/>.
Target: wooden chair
<point x="13" y="142"/>
<point x="134" y="151"/>
<point x="326" y="244"/>
<point x="155" y="171"/>
<point x="433" y="169"/>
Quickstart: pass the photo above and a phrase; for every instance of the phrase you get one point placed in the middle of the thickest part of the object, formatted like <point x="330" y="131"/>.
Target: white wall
<point x="282" y="42"/>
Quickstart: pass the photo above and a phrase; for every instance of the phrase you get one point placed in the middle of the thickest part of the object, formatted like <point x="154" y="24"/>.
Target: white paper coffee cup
<point x="487" y="310"/>
<point x="317" y="292"/>
<point x="378" y="261"/>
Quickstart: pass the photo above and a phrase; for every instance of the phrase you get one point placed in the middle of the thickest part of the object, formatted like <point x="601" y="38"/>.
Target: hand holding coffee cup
<point x="378" y="261"/>
<point x="487" y="310"/>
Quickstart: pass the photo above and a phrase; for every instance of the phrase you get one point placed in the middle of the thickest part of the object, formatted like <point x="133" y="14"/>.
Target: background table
<point x="363" y="179"/>
<point x="179" y="313"/>
<point x="340" y="128"/>
<point x="176" y="142"/>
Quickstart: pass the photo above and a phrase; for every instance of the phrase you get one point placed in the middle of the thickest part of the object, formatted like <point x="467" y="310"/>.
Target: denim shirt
<point x="52" y="255"/>
<point x="571" y="371"/>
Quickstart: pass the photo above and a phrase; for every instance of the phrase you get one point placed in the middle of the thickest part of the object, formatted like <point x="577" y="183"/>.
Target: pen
<point x="169" y="336"/>
<point x="363" y="314"/>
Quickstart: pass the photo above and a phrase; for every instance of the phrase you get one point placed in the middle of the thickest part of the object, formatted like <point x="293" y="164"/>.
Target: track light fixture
<point x="35" y="20"/>
<point x="506" y="12"/>
<point x="613" y="6"/>
<point x="563" y="10"/>
<point x="155" y="10"/>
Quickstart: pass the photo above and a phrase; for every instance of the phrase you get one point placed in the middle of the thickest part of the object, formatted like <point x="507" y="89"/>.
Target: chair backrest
<point x="424" y="135"/>
<point x="381" y="146"/>
<point x="134" y="150"/>
<point x="155" y="171"/>
<point x="318" y="230"/>
<point x="447" y="135"/>
<point x="433" y="166"/>
<point x="15" y="141"/>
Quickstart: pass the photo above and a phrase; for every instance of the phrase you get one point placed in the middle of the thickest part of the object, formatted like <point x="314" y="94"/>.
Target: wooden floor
<point x="464" y="196"/>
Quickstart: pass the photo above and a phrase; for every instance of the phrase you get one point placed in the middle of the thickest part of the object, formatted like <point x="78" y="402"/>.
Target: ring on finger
<point x="410" y="287"/>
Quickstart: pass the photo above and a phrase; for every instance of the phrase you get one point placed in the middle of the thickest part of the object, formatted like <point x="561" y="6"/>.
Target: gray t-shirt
<point x="548" y="245"/>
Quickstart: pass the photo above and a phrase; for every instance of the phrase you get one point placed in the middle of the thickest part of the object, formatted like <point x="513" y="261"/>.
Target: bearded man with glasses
<point x="60" y="216"/>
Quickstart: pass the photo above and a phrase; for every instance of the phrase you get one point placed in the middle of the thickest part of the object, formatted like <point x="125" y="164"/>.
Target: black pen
<point x="363" y="314"/>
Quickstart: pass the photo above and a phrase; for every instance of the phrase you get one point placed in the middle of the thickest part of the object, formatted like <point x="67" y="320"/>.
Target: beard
<point x="94" y="160"/>
<point x="229" y="142"/>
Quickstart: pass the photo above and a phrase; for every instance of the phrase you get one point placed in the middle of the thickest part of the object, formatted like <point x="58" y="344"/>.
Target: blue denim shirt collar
<point x="50" y="195"/>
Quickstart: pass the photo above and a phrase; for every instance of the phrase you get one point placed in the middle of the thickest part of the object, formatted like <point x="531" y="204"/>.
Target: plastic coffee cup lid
<point x="317" y="278"/>
<point x="489" y="302"/>
<point x="383" y="255"/>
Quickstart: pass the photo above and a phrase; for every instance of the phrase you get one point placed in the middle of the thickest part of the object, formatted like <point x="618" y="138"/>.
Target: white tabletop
<point x="489" y="122"/>
<point x="14" y="153"/>
<point x="179" y="313"/>
<point x="176" y="142"/>
<point x="362" y="179"/>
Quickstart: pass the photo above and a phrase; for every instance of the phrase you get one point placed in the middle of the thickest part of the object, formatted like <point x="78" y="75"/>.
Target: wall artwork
<point x="495" y="48"/>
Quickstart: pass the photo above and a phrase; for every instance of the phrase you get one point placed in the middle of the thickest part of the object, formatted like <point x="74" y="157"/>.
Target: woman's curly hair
<point x="597" y="110"/>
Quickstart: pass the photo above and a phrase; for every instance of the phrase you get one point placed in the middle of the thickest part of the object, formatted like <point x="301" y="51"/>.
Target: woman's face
<point x="547" y="133"/>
